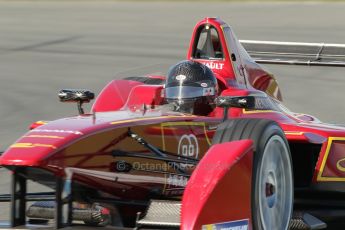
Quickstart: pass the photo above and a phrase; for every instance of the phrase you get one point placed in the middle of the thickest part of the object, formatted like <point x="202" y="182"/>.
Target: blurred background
<point x="49" y="45"/>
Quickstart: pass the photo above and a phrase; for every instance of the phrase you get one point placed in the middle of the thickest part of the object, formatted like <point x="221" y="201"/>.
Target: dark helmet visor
<point x="185" y="92"/>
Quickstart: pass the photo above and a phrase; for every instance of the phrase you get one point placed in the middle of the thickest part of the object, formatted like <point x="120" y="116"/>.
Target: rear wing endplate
<point x="296" y="53"/>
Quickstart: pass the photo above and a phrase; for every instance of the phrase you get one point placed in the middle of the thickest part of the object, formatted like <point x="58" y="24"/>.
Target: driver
<point x="191" y="87"/>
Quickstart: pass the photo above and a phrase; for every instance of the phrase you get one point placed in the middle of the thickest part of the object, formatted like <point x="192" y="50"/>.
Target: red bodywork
<point x="84" y="145"/>
<point x="220" y="173"/>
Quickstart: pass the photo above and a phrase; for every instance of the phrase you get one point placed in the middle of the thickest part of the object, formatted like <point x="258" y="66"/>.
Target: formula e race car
<point x="135" y="161"/>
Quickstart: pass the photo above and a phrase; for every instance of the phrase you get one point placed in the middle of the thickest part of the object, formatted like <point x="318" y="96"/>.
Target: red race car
<point x="209" y="146"/>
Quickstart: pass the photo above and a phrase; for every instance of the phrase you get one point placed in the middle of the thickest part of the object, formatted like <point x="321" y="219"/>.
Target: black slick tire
<point x="272" y="178"/>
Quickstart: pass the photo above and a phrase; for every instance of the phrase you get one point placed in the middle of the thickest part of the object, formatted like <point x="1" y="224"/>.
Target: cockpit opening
<point x="207" y="44"/>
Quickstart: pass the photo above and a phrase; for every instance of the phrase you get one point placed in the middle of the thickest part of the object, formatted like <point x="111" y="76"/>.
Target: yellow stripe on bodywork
<point x="258" y="111"/>
<point x="179" y="123"/>
<point x="329" y="145"/>
<point x="148" y="119"/>
<point x="31" y="145"/>
<point x="45" y="136"/>
<point x="294" y="133"/>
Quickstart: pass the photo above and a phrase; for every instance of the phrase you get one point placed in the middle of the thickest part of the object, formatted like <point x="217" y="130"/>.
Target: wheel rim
<point x="276" y="186"/>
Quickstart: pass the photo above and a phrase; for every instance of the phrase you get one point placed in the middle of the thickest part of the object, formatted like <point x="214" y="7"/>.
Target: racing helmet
<point x="191" y="87"/>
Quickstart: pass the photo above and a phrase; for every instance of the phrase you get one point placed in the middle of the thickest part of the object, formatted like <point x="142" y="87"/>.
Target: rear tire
<point x="272" y="179"/>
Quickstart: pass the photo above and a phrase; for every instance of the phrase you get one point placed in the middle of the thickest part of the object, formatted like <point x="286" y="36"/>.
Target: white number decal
<point x="188" y="146"/>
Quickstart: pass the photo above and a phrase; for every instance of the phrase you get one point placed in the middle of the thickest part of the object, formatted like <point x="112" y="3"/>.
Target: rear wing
<point x="296" y="53"/>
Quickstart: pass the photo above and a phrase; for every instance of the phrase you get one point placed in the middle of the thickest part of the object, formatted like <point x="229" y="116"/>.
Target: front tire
<point x="272" y="179"/>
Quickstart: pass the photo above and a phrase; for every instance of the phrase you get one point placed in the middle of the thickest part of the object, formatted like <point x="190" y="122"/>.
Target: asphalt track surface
<point x="47" y="46"/>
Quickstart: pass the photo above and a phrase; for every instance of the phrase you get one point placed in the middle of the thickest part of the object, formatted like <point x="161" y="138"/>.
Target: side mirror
<point x="79" y="96"/>
<point x="247" y="102"/>
<point x="227" y="102"/>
